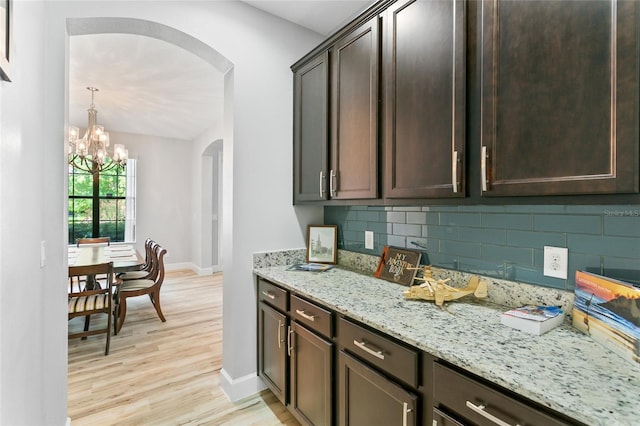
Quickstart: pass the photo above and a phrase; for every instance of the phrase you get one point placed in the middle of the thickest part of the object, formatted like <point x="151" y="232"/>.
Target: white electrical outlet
<point x="368" y="240"/>
<point x="556" y="262"/>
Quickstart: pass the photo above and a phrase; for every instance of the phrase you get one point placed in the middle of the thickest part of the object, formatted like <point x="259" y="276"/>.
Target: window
<point x="102" y="205"/>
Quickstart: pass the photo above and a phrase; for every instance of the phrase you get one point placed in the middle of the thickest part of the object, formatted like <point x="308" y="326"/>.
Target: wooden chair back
<point x="149" y="286"/>
<point x="86" y="302"/>
<point x="98" y="240"/>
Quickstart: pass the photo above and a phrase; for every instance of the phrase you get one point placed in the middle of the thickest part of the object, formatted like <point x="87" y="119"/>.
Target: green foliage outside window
<point x="108" y="196"/>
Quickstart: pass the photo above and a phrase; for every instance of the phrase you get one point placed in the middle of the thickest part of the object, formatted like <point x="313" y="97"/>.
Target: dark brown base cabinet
<point x="294" y="360"/>
<point x="328" y="369"/>
<point x="462" y="399"/>
<point x="272" y="359"/>
<point x="311" y="377"/>
<point x="369" y="398"/>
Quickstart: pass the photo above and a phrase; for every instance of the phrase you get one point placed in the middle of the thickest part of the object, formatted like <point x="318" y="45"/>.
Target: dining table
<point x="124" y="257"/>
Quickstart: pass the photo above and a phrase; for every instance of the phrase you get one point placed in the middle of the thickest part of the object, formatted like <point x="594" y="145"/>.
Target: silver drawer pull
<point x="454" y="170"/>
<point x="305" y="315"/>
<point x="321" y="184"/>
<point x="280" y="339"/>
<point x="483" y="169"/>
<point x="363" y="345"/>
<point x="269" y="295"/>
<point x="405" y="413"/>
<point x="480" y="409"/>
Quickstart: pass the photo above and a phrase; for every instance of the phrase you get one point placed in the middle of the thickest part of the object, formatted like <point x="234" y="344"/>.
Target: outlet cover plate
<point x="368" y="240"/>
<point x="556" y="262"/>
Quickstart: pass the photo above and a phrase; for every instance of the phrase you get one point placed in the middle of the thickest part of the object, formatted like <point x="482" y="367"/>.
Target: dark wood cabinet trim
<point x="623" y="161"/>
<point x="440" y="152"/>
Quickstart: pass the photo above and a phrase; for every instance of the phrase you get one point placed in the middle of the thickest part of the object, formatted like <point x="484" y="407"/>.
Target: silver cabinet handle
<point x="363" y="345"/>
<point x="280" y="325"/>
<point x="405" y="413"/>
<point x="289" y="341"/>
<point x="332" y="187"/>
<point x="454" y="170"/>
<point x="269" y="295"/>
<point x="483" y="167"/>
<point x="305" y="315"/>
<point x="321" y="184"/>
<point x="480" y="409"/>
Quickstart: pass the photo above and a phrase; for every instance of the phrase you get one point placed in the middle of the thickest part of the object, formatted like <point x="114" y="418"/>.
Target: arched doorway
<point x="203" y="241"/>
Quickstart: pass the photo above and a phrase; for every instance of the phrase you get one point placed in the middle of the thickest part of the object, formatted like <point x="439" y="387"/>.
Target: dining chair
<point x="149" y="286"/>
<point x="97" y="240"/>
<point x="93" y="280"/>
<point x="145" y="270"/>
<point x="83" y="302"/>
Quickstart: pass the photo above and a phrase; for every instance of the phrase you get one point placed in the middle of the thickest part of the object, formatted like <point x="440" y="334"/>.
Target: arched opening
<point x="203" y="241"/>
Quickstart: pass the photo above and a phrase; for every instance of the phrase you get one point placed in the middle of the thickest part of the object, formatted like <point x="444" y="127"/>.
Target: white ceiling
<point x="151" y="87"/>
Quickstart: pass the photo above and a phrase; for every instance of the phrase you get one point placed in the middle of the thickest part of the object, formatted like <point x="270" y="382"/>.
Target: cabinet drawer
<point x="272" y="294"/>
<point x="475" y="402"/>
<point x="315" y="317"/>
<point x="380" y="351"/>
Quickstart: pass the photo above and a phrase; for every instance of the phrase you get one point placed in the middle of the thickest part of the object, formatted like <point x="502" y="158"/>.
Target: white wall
<point x="33" y="357"/>
<point x="257" y="207"/>
<point x="163" y="191"/>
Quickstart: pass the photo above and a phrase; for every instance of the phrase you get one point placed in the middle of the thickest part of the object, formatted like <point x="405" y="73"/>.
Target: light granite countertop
<point x="563" y="369"/>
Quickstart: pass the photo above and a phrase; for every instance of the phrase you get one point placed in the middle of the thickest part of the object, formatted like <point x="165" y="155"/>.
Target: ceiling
<point x="151" y="87"/>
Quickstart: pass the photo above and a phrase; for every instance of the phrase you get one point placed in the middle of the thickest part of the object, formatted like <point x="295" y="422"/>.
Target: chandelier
<point x="89" y="153"/>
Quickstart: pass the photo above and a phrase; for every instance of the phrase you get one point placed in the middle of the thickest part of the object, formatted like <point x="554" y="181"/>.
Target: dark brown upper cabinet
<point x="310" y="130"/>
<point x="559" y="97"/>
<point x="355" y="61"/>
<point x="424" y="99"/>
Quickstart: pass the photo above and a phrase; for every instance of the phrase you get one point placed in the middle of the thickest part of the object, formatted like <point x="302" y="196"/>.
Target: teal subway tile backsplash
<point x="628" y="226"/>
<point x="507" y="221"/>
<point x="573" y="223"/>
<point x="517" y="238"/>
<point x="502" y="241"/>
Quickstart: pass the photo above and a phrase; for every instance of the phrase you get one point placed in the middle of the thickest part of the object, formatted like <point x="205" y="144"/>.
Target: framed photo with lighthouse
<point x="322" y="244"/>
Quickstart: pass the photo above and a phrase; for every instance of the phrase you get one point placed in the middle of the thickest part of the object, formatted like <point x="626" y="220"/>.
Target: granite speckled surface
<point x="563" y="369"/>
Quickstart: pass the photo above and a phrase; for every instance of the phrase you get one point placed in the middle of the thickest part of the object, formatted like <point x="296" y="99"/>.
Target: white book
<point x="533" y="319"/>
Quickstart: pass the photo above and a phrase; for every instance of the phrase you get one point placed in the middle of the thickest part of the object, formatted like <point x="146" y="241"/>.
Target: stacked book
<point x="533" y="319"/>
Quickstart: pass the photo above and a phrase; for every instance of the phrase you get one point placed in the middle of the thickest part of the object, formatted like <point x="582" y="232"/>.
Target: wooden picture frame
<point x="6" y="45"/>
<point x="322" y="244"/>
<point x="398" y="265"/>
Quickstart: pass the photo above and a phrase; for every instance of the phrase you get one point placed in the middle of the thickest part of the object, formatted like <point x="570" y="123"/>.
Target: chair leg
<point x="87" y="320"/>
<point x="106" y="349"/>
<point x="122" y="312"/>
<point x="155" y="300"/>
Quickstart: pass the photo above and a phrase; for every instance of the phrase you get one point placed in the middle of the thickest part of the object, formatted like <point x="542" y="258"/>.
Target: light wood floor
<point x="163" y="373"/>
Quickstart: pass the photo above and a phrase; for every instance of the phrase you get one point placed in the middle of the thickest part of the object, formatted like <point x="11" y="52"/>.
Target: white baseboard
<point x="178" y="266"/>
<point x="188" y="265"/>
<point x="242" y="387"/>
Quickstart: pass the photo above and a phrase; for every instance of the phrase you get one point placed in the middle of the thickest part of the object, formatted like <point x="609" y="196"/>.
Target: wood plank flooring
<point x="163" y="373"/>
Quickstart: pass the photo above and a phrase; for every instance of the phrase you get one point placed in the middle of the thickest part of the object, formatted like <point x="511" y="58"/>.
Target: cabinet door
<point x="311" y="377"/>
<point x="424" y="83"/>
<point x="272" y="350"/>
<point x="368" y="398"/>
<point x="310" y="130"/>
<point x="354" y="114"/>
<point x="559" y="97"/>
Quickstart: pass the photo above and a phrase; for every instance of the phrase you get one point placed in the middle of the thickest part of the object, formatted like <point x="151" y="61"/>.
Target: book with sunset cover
<point x="608" y="310"/>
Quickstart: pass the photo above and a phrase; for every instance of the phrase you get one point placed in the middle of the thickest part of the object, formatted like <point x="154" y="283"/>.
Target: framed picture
<point x="6" y="29"/>
<point x="322" y="243"/>
<point x="398" y="265"/>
